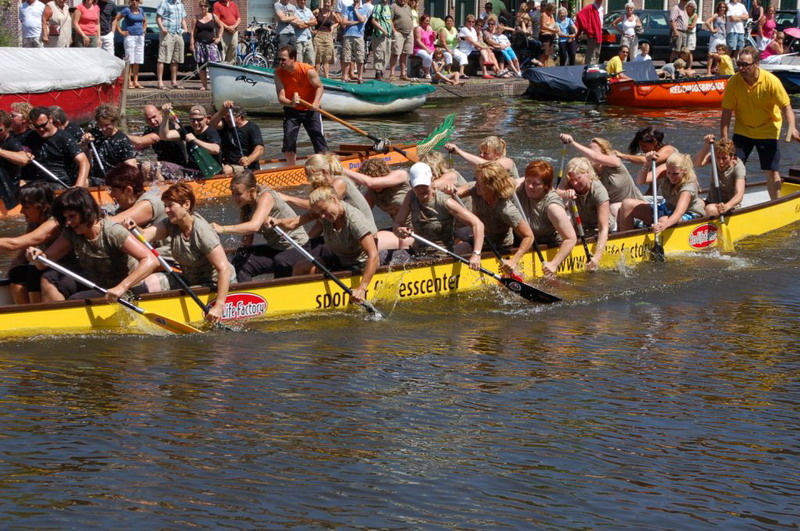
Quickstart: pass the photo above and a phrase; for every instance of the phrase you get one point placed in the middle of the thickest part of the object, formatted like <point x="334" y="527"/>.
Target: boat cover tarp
<point x="565" y="83"/>
<point x="373" y="90"/>
<point x="36" y="70"/>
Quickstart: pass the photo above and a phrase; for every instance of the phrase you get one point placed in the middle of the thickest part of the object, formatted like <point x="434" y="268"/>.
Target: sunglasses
<point x="42" y="125"/>
<point x="743" y="65"/>
<point x="196" y="119"/>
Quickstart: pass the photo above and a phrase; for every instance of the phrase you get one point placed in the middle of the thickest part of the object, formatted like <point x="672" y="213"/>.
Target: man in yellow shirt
<point x="761" y="104"/>
<point x="614" y="65"/>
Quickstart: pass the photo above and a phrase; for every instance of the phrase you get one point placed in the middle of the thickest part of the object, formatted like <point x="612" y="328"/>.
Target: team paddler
<point x="731" y="172"/>
<point x="257" y="204"/>
<point x="194" y="245"/>
<point x="610" y="170"/>
<point x="444" y="176"/>
<point x="645" y="140"/>
<point x="492" y="148"/>
<point x="591" y="198"/>
<point x="432" y="214"/>
<point x="108" y="254"/>
<point x="198" y="133"/>
<point x="492" y="201"/>
<point x="386" y="188"/>
<point x="105" y="145"/>
<point x="545" y="212"/>
<point x="36" y="199"/>
<point x="677" y="184"/>
<point x="349" y="238"/>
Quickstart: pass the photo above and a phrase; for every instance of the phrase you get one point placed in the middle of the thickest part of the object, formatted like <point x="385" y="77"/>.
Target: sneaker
<point x="378" y="74"/>
<point x="428" y="77"/>
<point x="487" y="76"/>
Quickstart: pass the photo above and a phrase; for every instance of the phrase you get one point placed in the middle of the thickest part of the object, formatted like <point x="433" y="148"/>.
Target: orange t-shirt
<point x="297" y="81"/>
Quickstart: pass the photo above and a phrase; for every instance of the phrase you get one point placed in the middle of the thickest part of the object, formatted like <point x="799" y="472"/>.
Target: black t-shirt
<point x="74" y="132"/>
<point x="174" y="152"/>
<point x="112" y="150"/>
<point x="210" y="136"/>
<point x="9" y="173"/>
<point x="249" y="137"/>
<point x="56" y="153"/>
<point x="108" y="11"/>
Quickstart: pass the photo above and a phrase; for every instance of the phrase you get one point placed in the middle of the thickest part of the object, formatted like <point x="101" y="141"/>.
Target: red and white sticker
<point x="703" y="236"/>
<point x="243" y="306"/>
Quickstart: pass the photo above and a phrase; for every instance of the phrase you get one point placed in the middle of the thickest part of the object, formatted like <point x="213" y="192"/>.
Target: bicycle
<point x="247" y="51"/>
<point x="267" y="39"/>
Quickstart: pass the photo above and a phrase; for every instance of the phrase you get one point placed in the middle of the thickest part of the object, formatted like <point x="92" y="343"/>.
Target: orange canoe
<point x="273" y="173"/>
<point x="669" y="93"/>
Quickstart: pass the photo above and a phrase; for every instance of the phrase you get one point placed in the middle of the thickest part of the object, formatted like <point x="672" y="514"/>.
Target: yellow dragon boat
<point x="265" y="299"/>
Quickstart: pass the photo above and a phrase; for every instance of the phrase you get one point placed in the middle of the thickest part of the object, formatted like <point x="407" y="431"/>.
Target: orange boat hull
<point x="700" y="92"/>
<point x="352" y="156"/>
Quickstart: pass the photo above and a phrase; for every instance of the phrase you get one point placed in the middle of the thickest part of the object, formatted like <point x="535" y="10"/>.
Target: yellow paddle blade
<point x="168" y="324"/>
<point x="724" y="239"/>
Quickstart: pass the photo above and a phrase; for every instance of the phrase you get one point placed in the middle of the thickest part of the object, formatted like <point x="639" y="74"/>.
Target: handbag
<point x="54" y="30"/>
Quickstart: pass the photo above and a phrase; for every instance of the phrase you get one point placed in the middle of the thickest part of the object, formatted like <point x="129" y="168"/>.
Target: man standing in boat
<point x="295" y="81"/>
<point x="758" y="99"/>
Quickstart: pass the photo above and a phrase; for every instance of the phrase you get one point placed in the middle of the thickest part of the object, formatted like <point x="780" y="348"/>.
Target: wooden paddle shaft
<point x="325" y="113"/>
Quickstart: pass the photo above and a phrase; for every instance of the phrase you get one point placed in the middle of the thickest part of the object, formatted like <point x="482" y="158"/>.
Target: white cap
<point x="421" y="175"/>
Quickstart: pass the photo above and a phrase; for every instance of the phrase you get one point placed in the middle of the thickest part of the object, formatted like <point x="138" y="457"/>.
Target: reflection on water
<point x="660" y="396"/>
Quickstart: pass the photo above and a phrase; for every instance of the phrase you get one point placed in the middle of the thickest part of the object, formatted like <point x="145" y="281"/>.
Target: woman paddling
<point x="645" y="140"/>
<point x="491" y="148"/>
<point x="492" y="201"/>
<point x="108" y="254"/>
<point x="609" y="169"/>
<point x="546" y="213"/>
<point x="36" y="200"/>
<point x="386" y="188"/>
<point x="677" y="184"/>
<point x="731" y="173"/>
<point x="194" y="245"/>
<point x="432" y="214"/>
<point x="349" y="238"/>
<point x="109" y="145"/>
<point x="257" y="204"/>
<point x="591" y="199"/>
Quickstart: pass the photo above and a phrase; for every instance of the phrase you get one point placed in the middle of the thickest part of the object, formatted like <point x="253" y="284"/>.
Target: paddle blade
<point x="172" y="326"/>
<point x="527" y="291"/>
<point x="658" y="252"/>
<point x="724" y="240"/>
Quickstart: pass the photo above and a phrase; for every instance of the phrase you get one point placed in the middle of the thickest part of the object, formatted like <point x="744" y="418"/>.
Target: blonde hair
<point x="437" y="162"/>
<point x="581" y="165"/>
<point x="496" y="178"/>
<point x="683" y="162"/>
<point x="321" y="194"/>
<point x="322" y="168"/>
<point x="604" y="145"/>
<point x="495" y="144"/>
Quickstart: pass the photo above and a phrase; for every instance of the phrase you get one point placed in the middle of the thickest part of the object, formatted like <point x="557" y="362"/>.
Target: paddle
<point x="579" y="226"/>
<point x="380" y="144"/>
<point x="525" y="291"/>
<point x="235" y="132"/>
<point x="96" y="155"/>
<point x="364" y="304"/>
<point x="169" y="269"/>
<point x="724" y="235"/>
<point x="167" y="324"/>
<point x="49" y="173"/>
<point x="658" y="250"/>
<point x="561" y="164"/>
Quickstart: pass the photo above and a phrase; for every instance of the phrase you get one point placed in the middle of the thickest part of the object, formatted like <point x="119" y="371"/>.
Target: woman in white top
<point x="469" y="43"/>
<point x="627" y="25"/>
<point x="56" y="25"/>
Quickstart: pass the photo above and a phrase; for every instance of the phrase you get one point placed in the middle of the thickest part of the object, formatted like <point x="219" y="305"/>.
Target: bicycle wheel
<point x="270" y="53"/>
<point x="256" y="59"/>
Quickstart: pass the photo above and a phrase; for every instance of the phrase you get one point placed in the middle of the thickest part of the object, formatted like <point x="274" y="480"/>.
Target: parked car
<point x="785" y="19"/>
<point x="656" y="33"/>
<point x="151" y="45"/>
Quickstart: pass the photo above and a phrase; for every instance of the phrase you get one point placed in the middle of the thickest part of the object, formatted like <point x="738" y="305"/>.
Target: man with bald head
<point x="171" y="155"/>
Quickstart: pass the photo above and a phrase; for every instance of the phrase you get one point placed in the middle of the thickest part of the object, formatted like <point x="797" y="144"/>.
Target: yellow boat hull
<point x="259" y="300"/>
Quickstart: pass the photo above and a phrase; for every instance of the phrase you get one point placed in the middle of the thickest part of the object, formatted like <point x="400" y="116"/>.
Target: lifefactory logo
<point x="243" y="306"/>
<point x="703" y="236"/>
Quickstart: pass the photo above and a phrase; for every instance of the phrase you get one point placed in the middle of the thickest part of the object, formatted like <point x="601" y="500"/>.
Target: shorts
<point x="402" y="43"/>
<point x="678" y="41"/>
<point x="769" y="154"/>
<point x="134" y="49"/>
<point x="509" y="54"/>
<point x="735" y="41"/>
<point x="206" y="53"/>
<point x="26" y="275"/>
<point x="311" y="121"/>
<point x="353" y="50"/>
<point x="287" y="39"/>
<point x="323" y="44"/>
<point x="73" y="290"/>
<point x="170" y="48"/>
<point x="664" y="210"/>
<point x="691" y="41"/>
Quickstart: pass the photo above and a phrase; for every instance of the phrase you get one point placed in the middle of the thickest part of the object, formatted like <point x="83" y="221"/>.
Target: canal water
<point x="659" y="396"/>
